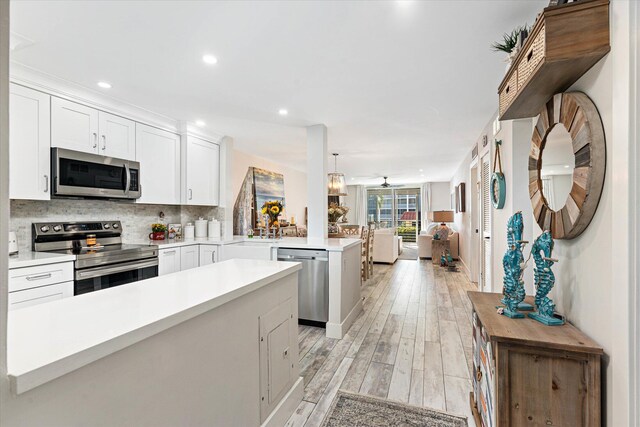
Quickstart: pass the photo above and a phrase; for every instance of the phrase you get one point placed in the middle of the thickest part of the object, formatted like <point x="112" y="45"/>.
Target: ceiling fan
<point x="385" y="184"/>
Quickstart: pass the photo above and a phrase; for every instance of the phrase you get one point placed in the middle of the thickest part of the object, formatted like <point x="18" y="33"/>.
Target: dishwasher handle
<point x="300" y="258"/>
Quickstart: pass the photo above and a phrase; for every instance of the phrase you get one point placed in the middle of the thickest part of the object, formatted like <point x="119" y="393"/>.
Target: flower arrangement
<point x="336" y="212"/>
<point x="273" y="208"/>
<point x="158" y="228"/>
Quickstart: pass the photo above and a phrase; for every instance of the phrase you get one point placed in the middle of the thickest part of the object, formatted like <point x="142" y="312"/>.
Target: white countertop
<point x="49" y="340"/>
<point x="286" y="242"/>
<point x="30" y="258"/>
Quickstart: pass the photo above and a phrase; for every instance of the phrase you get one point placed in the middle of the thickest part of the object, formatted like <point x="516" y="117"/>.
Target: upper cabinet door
<point x="117" y="136"/>
<point x="74" y="126"/>
<point x="29" y="140"/>
<point x="158" y="152"/>
<point x="203" y="172"/>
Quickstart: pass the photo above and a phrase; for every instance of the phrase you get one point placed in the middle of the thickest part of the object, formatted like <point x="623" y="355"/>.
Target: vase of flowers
<point x="273" y="209"/>
<point x="158" y="231"/>
<point x="336" y="212"/>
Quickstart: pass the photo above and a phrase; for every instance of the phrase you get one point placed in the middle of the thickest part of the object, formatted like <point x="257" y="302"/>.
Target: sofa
<point x="386" y="246"/>
<point x="424" y="242"/>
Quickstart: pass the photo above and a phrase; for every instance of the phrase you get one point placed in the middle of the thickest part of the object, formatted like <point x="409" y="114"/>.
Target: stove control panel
<point x="78" y="229"/>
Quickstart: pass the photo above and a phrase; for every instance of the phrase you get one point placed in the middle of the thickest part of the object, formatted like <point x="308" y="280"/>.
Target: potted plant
<point x="273" y="209"/>
<point x="511" y="43"/>
<point x="158" y="231"/>
<point x="335" y="213"/>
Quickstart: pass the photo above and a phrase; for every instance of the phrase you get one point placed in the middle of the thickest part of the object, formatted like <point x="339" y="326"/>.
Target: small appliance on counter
<point x="189" y="231"/>
<point x="201" y="227"/>
<point x="13" y="243"/>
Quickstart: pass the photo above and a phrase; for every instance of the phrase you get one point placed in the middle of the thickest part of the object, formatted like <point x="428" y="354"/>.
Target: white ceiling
<point x="401" y="86"/>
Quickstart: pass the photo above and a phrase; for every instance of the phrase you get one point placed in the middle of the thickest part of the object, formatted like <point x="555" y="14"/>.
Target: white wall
<point x="440" y="196"/>
<point x="462" y="220"/>
<point x="295" y="182"/>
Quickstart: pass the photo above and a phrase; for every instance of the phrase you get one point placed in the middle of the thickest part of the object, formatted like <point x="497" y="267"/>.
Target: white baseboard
<point x="338" y="330"/>
<point x="287" y="406"/>
<point x="465" y="269"/>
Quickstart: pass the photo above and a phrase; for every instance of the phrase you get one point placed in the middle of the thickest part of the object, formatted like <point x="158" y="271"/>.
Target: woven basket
<point x="533" y="57"/>
<point x="509" y="92"/>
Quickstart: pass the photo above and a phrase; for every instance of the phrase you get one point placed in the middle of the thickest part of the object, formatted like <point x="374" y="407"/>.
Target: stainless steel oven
<point x="78" y="174"/>
<point x="102" y="260"/>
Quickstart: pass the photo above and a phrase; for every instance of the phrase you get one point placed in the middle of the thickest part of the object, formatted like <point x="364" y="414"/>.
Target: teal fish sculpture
<point x="513" y="263"/>
<point x="544" y="280"/>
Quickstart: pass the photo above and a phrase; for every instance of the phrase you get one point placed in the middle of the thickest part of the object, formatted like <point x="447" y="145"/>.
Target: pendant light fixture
<point x="337" y="183"/>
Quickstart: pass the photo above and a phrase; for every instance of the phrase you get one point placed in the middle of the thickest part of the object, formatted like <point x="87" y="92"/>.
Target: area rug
<point x="356" y="410"/>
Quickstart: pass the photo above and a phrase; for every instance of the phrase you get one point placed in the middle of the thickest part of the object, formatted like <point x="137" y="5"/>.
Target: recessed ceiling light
<point x="420" y="170"/>
<point x="200" y="123"/>
<point x="209" y="59"/>
<point x="404" y="3"/>
<point x="104" y="85"/>
<point x="566" y="166"/>
<point x="283" y="112"/>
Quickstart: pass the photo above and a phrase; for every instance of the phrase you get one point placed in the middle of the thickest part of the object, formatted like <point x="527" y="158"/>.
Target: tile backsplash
<point x="136" y="218"/>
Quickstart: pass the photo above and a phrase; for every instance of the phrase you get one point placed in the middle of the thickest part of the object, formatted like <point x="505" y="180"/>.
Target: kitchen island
<point x="215" y="345"/>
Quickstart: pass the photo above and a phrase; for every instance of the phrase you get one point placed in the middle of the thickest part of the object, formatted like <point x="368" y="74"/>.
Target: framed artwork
<point x="460" y="198"/>
<point x="267" y="186"/>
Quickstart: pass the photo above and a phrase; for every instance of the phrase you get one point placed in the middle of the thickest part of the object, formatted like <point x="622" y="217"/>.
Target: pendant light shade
<point x="337" y="182"/>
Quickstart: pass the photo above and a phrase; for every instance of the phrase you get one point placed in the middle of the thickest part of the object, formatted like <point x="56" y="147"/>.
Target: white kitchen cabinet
<point x="117" y="136"/>
<point x="277" y="355"/>
<point x="189" y="257"/>
<point x="209" y="254"/>
<point x="246" y="250"/>
<point x="78" y="127"/>
<point x="40" y="275"/>
<point x="39" y="295"/>
<point x="168" y="261"/>
<point x="158" y="152"/>
<point x="29" y="141"/>
<point x="202" y="165"/>
<point x="74" y="126"/>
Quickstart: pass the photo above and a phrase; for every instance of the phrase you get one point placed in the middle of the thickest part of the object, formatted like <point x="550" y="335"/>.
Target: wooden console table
<point x="437" y="247"/>
<point x="529" y="374"/>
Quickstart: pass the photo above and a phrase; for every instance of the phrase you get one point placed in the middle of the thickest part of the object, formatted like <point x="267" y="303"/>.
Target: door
<point x="158" y="153"/>
<point x="277" y="351"/>
<point x="74" y="126"/>
<point x="117" y="136"/>
<point x="208" y="254"/>
<point x="29" y="140"/>
<point x="203" y="172"/>
<point x="485" y="183"/>
<point x="475" y="223"/>
<point x="189" y="257"/>
<point x="168" y="261"/>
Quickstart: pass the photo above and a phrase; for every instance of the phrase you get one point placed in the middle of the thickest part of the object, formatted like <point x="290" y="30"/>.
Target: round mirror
<point x="566" y="164"/>
<point x="556" y="171"/>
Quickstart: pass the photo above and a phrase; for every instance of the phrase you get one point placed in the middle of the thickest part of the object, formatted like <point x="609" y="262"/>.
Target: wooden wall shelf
<point x="529" y="374"/>
<point x="565" y="42"/>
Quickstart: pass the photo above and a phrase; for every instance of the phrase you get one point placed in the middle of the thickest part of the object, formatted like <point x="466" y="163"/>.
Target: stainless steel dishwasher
<point x="313" y="282"/>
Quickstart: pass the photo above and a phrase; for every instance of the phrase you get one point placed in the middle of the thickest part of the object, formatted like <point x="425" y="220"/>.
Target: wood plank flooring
<point x="412" y="343"/>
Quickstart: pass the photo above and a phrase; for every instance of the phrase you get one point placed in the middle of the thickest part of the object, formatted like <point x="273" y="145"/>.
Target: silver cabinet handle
<point x="95" y="139"/>
<point x="168" y="252"/>
<point x="39" y="277"/>
<point x="190" y="194"/>
<point x="46" y="183"/>
<point x="104" y="142"/>
<point x="213" y="256"/>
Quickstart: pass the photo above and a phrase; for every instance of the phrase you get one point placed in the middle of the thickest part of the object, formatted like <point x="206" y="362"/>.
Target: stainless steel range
<point x="102" y="260"/>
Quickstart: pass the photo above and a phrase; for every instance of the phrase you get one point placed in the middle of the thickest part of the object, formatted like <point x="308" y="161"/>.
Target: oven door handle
<point x="90" y="273"/>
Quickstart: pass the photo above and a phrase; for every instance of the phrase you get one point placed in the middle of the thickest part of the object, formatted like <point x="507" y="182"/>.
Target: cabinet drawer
<point x="533" y="57"/>
<point x="41" y="275"/>
<point x="509" y="92"/>
<point x="40" y="295"/>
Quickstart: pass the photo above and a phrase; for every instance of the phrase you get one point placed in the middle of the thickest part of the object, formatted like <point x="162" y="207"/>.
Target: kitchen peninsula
<point x="216" y="345"/>
<point x="344" y="302"/>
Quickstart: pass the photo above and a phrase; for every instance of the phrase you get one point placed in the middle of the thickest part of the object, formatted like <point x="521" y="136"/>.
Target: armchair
<point x="385" y="246"/>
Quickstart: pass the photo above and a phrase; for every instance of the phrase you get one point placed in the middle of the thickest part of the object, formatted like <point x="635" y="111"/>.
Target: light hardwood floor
<point x="412" y="343"/>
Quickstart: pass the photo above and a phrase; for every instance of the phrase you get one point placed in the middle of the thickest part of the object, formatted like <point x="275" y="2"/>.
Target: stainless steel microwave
<point x="78" y="174"/>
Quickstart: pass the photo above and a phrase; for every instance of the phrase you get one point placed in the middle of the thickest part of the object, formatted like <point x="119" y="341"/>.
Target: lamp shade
<point x="337" y="184"/>
<point x="441" y="216"/>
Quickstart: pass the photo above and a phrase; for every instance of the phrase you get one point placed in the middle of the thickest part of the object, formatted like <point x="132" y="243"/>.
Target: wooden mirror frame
<point x="580" y="117"/>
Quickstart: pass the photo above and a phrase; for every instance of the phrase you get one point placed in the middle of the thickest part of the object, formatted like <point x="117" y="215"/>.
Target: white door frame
<point x="484" y="282"/>
<point x="476" y="250"/>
